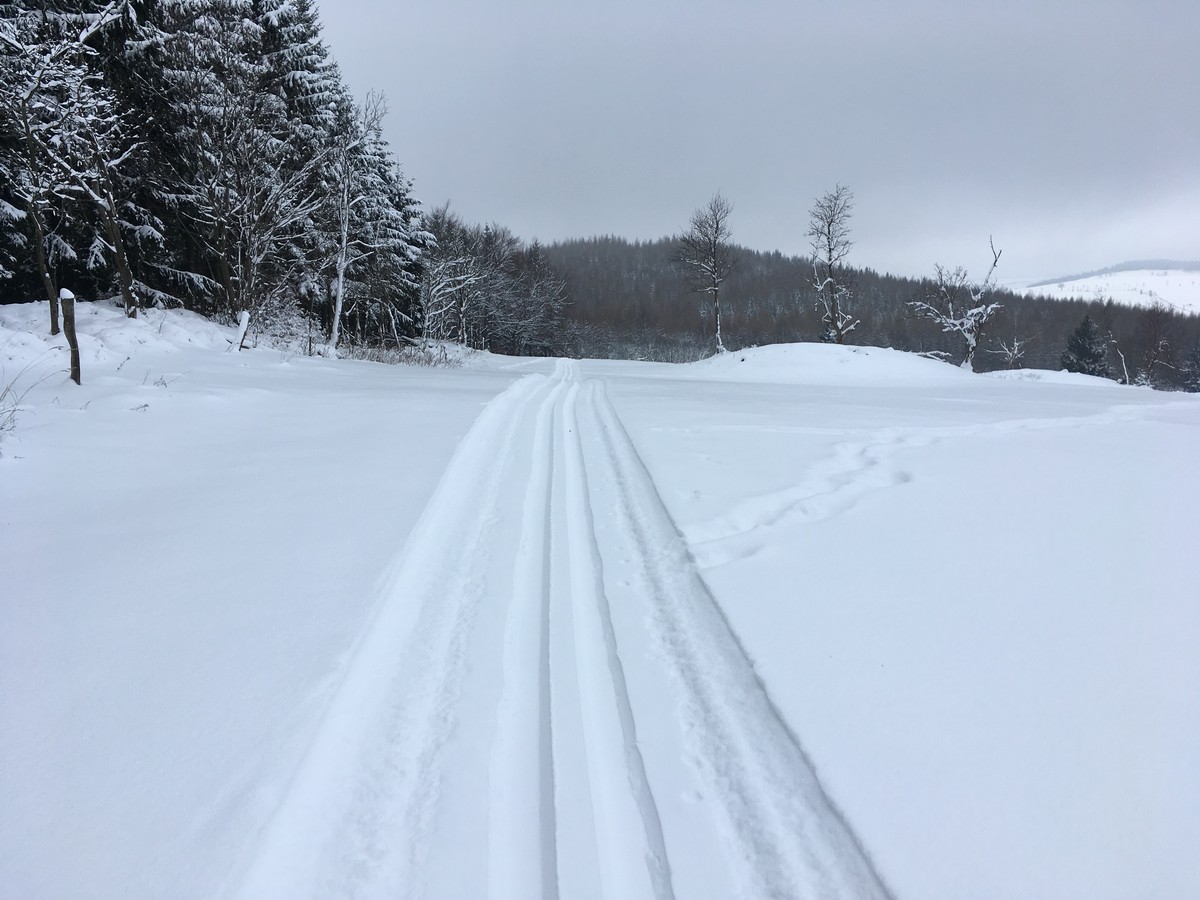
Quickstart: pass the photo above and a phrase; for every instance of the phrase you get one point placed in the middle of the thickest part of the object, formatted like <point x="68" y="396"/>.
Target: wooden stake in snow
<point x="68" y="313"/>
<point x="243" y="324"/>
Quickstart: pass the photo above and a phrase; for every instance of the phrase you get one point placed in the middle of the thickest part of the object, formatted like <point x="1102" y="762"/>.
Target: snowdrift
<point x="1045" y="376"/>
<point x="822" y="364"/>
<point x="106" y="335"/>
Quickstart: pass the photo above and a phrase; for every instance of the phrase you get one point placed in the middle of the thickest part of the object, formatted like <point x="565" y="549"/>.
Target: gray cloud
<point x="1066" y="129"/>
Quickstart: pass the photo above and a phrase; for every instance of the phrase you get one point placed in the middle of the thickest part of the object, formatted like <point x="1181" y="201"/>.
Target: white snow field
<point x="802" y="621"/>
<point x="1178" y="289"/>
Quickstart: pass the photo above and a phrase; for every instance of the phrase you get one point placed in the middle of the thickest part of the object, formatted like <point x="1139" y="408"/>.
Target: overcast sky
<point x="1068" y="129"/>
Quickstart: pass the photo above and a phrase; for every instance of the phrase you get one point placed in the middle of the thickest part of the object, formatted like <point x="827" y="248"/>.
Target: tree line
<point x="207" y="154"/>
<point x="683" y="297"/>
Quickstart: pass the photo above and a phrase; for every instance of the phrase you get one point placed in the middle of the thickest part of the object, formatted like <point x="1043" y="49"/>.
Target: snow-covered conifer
<point x="240" y="202"/>
<point x="1087" y="350"/>
<point x="374" y="218"/>
<point x="73" y="144"/>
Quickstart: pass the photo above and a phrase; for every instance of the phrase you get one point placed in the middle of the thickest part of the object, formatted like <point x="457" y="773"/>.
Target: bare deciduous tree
<point x="829" y="233"/>
<point x="706" y="254"/>
<point x="451" y="279"/>
<point x="1153" y="344"/>
<point x="959" y="306"/>
<point x="1012" y="351"/>
<point x="351" y="173"/>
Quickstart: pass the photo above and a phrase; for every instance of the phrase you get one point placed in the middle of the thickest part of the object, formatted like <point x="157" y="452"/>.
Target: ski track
<point x="854" y="470"/>
<point x="783" y="835"/>
<point x="548" y="702"/>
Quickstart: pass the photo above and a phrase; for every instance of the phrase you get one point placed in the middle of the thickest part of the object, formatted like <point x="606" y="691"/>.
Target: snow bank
<point x="1045" y="376"/>
<point x="189" y="544"/>
<point x="106" y="335"/>
<point x="821" y="364"/>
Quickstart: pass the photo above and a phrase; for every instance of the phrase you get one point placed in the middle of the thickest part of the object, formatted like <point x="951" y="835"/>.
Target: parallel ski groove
<point x="601" y="673"/>
<point x="522" y="862"/>
<point x="788" y="838"/>
<point x="491" y="680"/>
<point x="370" y="772"/>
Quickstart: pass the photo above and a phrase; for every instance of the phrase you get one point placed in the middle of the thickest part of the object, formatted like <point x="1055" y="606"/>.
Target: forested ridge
<point x="628" y="300"/>
<point x="208" y="154"/>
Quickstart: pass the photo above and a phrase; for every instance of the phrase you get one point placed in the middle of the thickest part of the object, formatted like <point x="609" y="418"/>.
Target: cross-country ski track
<point x="548" y="702"/>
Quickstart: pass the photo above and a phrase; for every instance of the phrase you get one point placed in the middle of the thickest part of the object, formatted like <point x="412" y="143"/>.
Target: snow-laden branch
<point x="829" y="233"/>
<point x="958" y="306"/>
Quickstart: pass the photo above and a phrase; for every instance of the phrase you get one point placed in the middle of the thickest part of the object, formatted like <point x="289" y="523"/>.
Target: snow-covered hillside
<point x="1177" y="288"/>
<point x="801" y="620"/>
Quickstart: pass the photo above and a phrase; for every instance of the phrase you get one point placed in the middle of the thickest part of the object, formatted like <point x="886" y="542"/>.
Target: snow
<point x="798" y="619"/>
<point x="1048" y="377"/>
<point x="1176" y="288"/>
<point x="816" y="364"/>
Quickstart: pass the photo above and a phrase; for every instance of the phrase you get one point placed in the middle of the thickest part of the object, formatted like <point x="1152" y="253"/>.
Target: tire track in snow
<point x="783" y="836"/>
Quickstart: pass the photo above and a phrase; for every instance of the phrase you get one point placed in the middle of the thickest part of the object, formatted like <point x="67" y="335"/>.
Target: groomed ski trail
<point x="549" y="703"/>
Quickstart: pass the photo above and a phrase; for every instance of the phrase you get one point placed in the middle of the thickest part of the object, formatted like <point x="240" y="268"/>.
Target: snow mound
<point x="821" y="364"/>
<point x="106" y="335"/>
<point x="1047" y="377"/>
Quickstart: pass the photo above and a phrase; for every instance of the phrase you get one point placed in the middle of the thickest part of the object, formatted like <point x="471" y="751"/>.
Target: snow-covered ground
<point x="1176" y="288"/>
<point x="798" y="621"/>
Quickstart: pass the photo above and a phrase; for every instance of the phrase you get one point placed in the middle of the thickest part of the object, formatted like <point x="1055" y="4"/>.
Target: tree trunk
<point x="39" y="237"/>
<point x="68" y="314"/>
<point x="835" y="311"/>
<point x="717" y="315"/>
<point x="339" y="301"/>
<point x="968" y="362"/>
<point x="124" y="274"/>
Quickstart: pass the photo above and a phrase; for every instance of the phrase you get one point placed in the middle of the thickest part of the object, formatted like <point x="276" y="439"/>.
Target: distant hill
<point x="1139" y="283"/>
<point x="1137" y="265"/>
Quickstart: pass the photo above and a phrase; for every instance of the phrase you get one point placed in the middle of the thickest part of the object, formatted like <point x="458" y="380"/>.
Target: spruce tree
<point x="241" y="203"/>
<point x="387" y="274"/>
<point x="70" y="151"/>
<point x="298" y="69"/>
<point x="1087" y="352"/>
